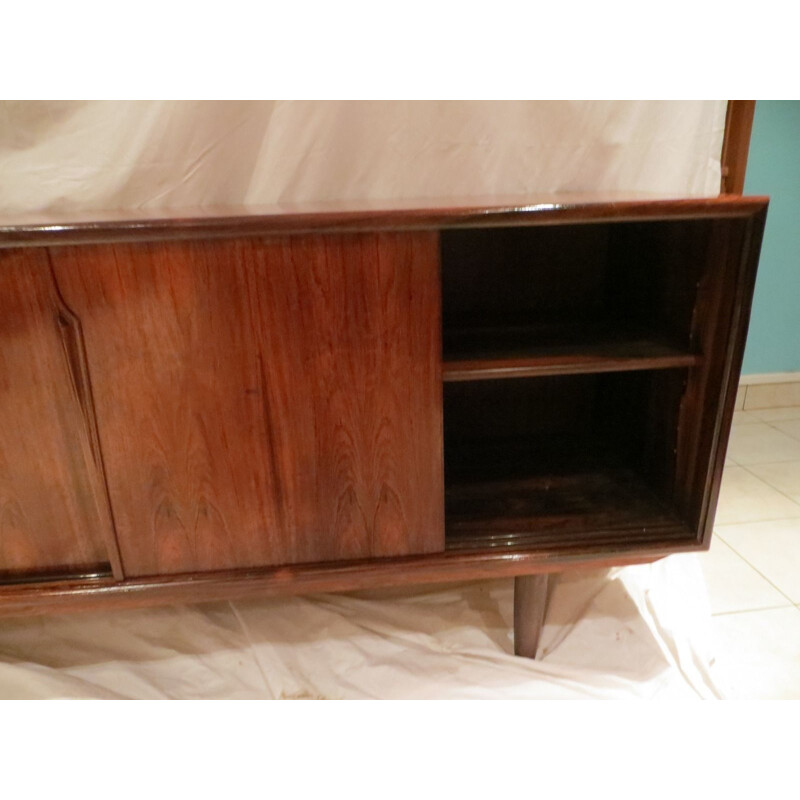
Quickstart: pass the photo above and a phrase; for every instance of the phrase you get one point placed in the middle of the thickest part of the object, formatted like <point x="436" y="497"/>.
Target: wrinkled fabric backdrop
<point x="66" y="156"/>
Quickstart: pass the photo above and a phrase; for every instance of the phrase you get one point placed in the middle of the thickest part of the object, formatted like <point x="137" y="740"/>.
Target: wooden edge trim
<point x="747" y="271"/>
<point x="52" y="597"/>
<point x="495" y="369"/>
<point x="169" y="229"/>
<point x="736" y="145"/>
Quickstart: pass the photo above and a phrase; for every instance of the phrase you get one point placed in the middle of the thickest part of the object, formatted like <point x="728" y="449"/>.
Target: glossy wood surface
<point x="53" y="508"/>
<point x="589" y="505"/>
<point x="265" y="402"/>
<point x="430" y="214"/>
<point x="722" y="318"/>
<point x="78" y="595"/>
<point x="598" y="356"/>
<point x="267" y="409"/>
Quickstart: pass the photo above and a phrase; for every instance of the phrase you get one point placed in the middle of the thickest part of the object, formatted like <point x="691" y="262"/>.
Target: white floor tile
<point x="783" y="476"/>
<point x="745" y="418"/>
<point x="758" y="654"/>
<point x="733" y="585"/>
<point x="746" y="498"/>
<point x="791" y="427"/>
<point x="773" y="548"/>
<point x="754" y="561"/>
<point x="762" y="444"/>
<point x="772" y="395"/>
<point x="776" y="414"/>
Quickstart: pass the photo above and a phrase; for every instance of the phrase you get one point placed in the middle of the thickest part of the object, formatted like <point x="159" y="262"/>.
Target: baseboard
<point x="768" y="390"/>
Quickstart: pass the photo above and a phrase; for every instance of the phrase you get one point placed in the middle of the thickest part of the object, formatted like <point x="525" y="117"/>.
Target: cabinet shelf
<point x="562" y="461"/>
<point x="580" y="500"/>
<point x="509" y="353"/>
<point x="568" y="357"/>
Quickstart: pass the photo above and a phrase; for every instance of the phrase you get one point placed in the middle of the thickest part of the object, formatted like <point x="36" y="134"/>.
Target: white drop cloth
<point x="631" y="632"/>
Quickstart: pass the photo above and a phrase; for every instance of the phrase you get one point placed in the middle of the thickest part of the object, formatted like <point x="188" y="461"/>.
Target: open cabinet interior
<point x="557" y="460"/>
<point x="569" y="298"/>
<point x="567" y="352"/>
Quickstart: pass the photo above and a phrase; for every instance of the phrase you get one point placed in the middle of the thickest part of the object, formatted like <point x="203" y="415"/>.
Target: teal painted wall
<point x="773" y="168"/>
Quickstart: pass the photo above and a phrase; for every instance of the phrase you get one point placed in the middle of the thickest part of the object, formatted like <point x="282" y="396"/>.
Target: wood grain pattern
<point x="53" y="509"/>
<point x="269" y="407"/>
<point x="265" y="401"/>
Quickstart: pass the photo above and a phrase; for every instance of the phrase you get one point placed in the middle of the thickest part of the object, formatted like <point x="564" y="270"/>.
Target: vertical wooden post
<point x="736" y="145"/>
<point x="530" y="605"/>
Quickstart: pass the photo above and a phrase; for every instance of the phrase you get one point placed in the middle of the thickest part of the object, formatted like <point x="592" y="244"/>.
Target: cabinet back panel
<point x="560" y="461"/>
<point x="522" y="276"/>
<point x="265" y="401"/>
<point x="497" y="410"/>
<point x="654" y="270"/>
<point x="562" y="424"/>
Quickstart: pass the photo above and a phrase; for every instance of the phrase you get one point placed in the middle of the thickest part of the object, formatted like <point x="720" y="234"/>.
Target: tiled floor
<point x="753" y="567"/>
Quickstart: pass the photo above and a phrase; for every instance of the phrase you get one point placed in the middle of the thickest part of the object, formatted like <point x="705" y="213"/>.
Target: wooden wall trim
<point x="736" y="145"/>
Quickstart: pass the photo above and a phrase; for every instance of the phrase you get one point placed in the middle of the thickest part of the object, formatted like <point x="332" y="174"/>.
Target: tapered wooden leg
<point x="530" y="604"/>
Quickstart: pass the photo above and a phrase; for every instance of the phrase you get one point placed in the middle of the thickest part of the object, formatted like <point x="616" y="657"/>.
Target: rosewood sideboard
<point x="215" y="405"/>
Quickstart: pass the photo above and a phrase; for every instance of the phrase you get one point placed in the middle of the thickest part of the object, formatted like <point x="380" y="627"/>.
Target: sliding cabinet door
<point x="54" y="519"/>
<point x="265" y="401"/>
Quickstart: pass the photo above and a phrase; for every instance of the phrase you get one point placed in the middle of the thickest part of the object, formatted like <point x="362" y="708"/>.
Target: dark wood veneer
<point x="248" y="400"/>
<point x="78" y="595"/>
<point x="736" y="145"/>
<point x="498" y="359"/>
<point x="208" y="405"/>
<point x="53" y="507"/>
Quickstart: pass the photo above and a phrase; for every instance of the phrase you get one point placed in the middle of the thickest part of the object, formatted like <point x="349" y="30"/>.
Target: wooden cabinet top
<point x="107" y="226"/>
